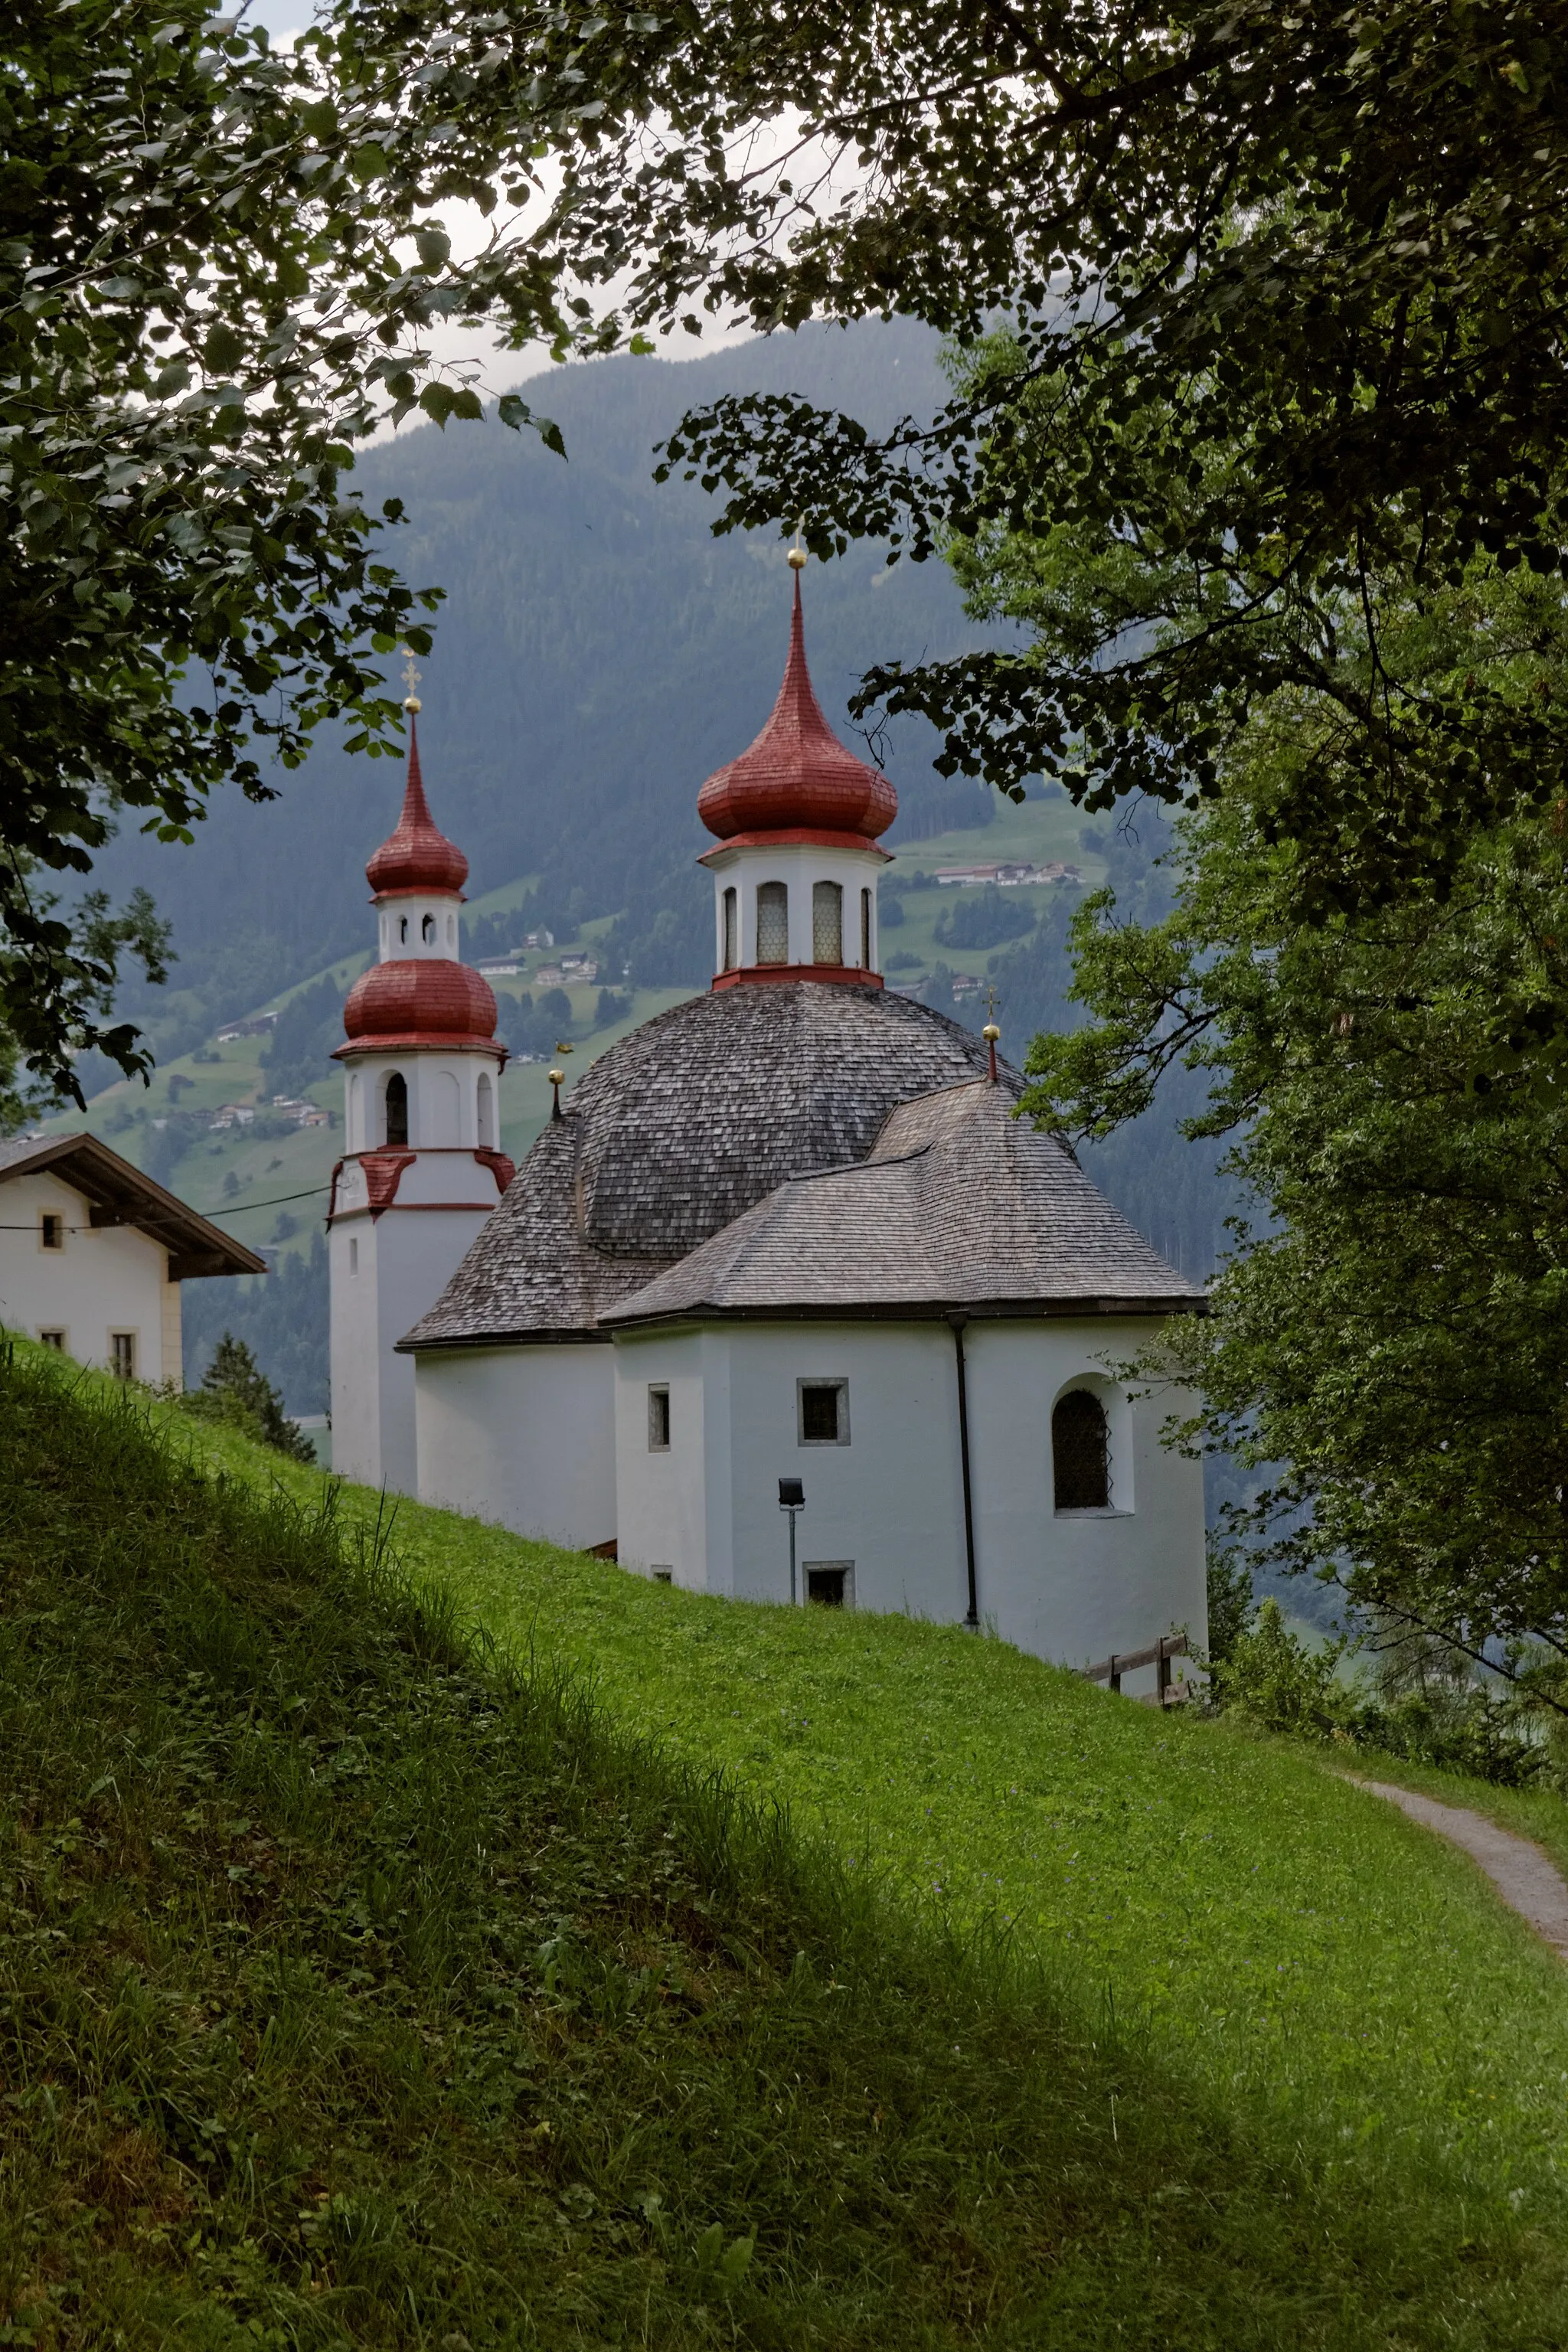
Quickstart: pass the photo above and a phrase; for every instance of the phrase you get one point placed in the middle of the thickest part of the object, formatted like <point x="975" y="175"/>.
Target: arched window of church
<point x="402" y="927"/>
<point x="1080" y="1452"/>
<point x="427" y="930"/>
<point x="865" y="930"/>
<point x="397" y="1110"/>
<point x="827" y="923"/>
<point x="732" y="930"/>
<point x="773" y="923"/>
<point x="486" y="1113"/>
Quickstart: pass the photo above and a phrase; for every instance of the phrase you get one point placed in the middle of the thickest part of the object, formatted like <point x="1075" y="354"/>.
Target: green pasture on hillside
<point x="358" y="1990"/>
<point x="1289" y="1939"/>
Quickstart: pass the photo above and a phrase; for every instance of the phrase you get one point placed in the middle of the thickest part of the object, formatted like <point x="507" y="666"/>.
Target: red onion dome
<point x="414" y="1000"/>
<point x="418" y="856"/>
<point x="797" y="775"/>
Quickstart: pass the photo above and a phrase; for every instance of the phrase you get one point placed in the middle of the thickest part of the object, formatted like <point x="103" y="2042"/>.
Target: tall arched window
<point x="732" y="925"/>
<point x="827" y="923"/>
<point x="397" y="1110"/>
<point x="487" y="1114"/>
<point x="1080" y="1452"/>
<point x="865" y="930"/>
<point x="427" y="930"/>
<point x="773" y="923"/>
<point x="402" y="927"/>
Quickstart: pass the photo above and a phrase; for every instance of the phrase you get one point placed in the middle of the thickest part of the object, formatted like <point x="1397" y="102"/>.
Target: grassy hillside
<point x="356" y="1990"/>
<point x="1300" y="1970"/>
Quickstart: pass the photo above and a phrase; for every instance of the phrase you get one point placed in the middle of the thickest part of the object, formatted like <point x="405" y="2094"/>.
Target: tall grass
<point x="359" y="1988"/>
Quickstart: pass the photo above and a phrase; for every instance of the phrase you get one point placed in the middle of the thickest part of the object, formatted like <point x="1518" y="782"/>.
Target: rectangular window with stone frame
<point x="822" y="1412"/>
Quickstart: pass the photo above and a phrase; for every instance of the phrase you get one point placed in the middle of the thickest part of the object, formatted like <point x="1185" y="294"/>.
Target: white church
<point x="785" y="1245"/>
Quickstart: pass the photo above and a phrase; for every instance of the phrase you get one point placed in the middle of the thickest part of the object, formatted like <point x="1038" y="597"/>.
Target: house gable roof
<point x="119" y="1194"/>
<point x="960" y="1206"/>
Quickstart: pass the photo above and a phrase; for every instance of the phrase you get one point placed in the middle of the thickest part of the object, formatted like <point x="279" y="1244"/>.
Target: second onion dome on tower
<point x="795" y="872"/>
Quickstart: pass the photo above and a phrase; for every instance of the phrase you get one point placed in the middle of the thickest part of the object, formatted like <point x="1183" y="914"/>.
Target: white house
<point x="789" y="1231"/>
<point x="93" y="1255"/>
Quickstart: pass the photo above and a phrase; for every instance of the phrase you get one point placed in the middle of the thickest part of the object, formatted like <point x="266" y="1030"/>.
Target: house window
<point x="830" y="1583"/>
<point x="823" y="1411"/>
<point x="865" y="930"/>
<point x="658" y="1420"/>
<point x="827" y="923"/>
<point x="1080" y="1452"/>
<point x="51" y="1230"/>
<point x="122" y="1355"/>
<point x="55" y="1339"/>
<point x="731" y="945"/>
<point x="397" y="1110"/>
<point x="428" y="931"/>
<point x="773" y="923"/>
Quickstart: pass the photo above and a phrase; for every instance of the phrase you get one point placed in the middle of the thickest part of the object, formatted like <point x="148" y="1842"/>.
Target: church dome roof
<point x="418" y="1002"/>
<point x="417" y="856"/>
<point x="679" y="1129"/>
<point x="797" y="776"/>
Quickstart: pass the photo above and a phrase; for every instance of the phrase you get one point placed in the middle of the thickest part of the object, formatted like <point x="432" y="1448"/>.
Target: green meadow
<point x="417" y="1936"/>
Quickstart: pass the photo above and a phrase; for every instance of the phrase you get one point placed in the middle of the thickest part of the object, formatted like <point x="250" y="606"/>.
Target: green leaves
<point x="224" y="348"/>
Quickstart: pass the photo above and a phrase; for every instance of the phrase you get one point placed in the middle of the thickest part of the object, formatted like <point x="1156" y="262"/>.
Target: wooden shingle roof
<point x="677" y="1131"/>
<point x="119" y="1194"/>
<point x="959" y="1206"/>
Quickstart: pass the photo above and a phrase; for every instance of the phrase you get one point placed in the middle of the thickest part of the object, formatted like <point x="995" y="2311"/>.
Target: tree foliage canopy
<point x="1391" y="1330"/>
<point x="1328" y="244"/>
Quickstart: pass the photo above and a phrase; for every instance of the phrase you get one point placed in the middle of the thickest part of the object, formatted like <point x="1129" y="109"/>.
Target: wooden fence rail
<point x="1125" y="1661"/>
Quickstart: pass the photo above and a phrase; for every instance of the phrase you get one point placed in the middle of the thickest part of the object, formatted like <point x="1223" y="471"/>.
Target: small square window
<point x="55" y="1339"/>
<point x="52" y="1230"/>
<point x="662" y="1575"/>
<point x="122" y="1355"/>
<point x="823" y="1408"/>
<point x="658" y="1420"/>
<point x="830" y="1583"/>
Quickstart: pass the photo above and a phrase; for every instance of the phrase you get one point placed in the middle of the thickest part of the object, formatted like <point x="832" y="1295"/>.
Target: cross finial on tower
<point x="991" y="1032"/>
<point x="411" y="677"/>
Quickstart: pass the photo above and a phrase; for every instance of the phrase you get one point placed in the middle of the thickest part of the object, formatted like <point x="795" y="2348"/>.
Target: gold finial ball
<point x="990" y="1032"/>
<point x="796" y="559"/>
<point x="557" y="1077"/>
<point x="411" y="702"/>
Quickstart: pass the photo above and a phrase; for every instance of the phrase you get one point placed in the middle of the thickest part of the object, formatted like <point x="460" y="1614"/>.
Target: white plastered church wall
<point x="105" y="1279"/>
<point x="524" y="1437"/>
<point x="889" y="1503"/>
<point x="1074" y="1586"/>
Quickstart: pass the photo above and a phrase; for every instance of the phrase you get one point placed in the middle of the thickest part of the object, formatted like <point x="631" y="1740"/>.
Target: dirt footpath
<point x="1523" y="1875"/>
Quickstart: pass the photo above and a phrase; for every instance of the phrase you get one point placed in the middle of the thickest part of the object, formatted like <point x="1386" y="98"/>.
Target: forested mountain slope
<point x="599" y="655"/>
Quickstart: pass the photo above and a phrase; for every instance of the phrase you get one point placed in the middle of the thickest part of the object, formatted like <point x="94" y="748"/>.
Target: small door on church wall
<point x="773" y="923"/>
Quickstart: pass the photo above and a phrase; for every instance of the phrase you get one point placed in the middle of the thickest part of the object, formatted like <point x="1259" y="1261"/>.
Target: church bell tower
<point x="421" y="1170"/>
